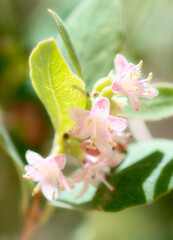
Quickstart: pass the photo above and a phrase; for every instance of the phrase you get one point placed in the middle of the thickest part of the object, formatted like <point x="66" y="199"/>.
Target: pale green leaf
<point x="53" y="80"/>
<point x="144" y="175"/>
<point x="68" y="42"/>
<point x="154" y="109"/>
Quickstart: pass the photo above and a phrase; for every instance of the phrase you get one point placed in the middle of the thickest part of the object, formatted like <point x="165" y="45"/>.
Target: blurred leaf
<point x="144" y="175"/>
<point x="7" y="145"/>
<point x="13" y="68"/>
<point x="154" y="109"/>
<point x="68" y="42"/>
<point x="10" y="197"/>
<point x="9" y="148"/>
<point x="153" y="21"/>
<point x="63" y="224"/>
<point x="39" y="25"/>
<point x="53" y="81"/>
<point x="96" y="30"/>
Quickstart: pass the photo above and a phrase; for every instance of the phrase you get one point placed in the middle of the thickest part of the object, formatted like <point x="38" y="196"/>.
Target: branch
<point x="32" y="218"/>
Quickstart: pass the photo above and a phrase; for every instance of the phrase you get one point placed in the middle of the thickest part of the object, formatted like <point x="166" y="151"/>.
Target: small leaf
<point x="95" y="27"/>
<point x="154" y="109"/>
<point x="53" y="80"/>
<point x="68" y="42"/>
<point x="145" y="174"/>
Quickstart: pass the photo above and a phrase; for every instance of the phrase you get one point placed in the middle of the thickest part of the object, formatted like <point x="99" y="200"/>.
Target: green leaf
<point x="68" y="42"/>
<point x="154" y="109"/>
<point x="53" y="80"/>
<point x="95" y="27"/>
<point x="145" y="174"/>
<point x="7" y="145"/>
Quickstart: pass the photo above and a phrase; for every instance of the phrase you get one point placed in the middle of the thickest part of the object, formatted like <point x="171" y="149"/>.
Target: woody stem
<point x="32" y="218"/>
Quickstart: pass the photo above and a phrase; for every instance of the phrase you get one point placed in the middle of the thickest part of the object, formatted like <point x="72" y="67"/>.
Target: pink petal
<point x="120" y="63"/>
<point x="149" y="91"/>
<point x="103" y="137"/>
<point x="78" y="114"/>
<point x="49" y="191"/>
<point x="33" y="173"/>
<point x="133" y="69"/>
<point x="84" y="189"/>
<point x="67" y="184"/>
<point x="60" y="160"/>
<point x="82" y="131"/>
<point x="102" y="106"/>
<point x="117" y="124"/>
<point x="116" y="88"/>
<point x="135" y="102"/>
<point x="114" y="161"/>
<point x="33" y="157"/>
<point x="103" y="180"/>
<point x="79" y="177"/>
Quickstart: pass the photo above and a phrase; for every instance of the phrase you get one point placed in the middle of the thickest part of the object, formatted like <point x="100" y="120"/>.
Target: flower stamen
<point x="26" y="176"/>
<point x="148" y="91"/>
<point x="61" y="187"/>
<point x="53" y="196"/>
<point x="112" y="143"/>
<point x="91" y="147"/>
<point x="35" y="191"/>
<point x="138" y="89"/>
<point x="140" y="64"/>
<point x="150" y="77"/>
<point x="94" y="139"/>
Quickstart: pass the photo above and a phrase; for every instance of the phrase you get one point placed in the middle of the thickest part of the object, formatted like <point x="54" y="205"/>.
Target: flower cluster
<point x="103" y="141"/>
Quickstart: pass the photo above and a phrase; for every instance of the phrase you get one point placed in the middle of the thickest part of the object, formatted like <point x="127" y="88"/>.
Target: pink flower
<point x="94" y="170"/>
<point x="47" y="172"/>
<point x="97" y="124"/>
<point x="92" y="173"/>
<point x="127" y="81"/>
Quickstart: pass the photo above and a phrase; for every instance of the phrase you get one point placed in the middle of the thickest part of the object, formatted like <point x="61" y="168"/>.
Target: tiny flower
<point x="97" y="124"/>
<point x="127" y="81"/>
<point x="47" y="173"/>
<point x="92" y="173"/>
<point x="94" y="170"/>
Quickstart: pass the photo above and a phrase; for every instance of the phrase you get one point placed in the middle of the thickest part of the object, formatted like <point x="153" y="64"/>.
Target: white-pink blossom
<point x="91" y="173"/>
<point x="127" y="81"/>
<point x="97" y="124"/>
<point x="47" y="173"/>
<point x="94" y="171"/>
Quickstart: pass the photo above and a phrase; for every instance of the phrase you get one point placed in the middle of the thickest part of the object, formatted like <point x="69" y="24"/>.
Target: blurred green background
<point x="148" y="35"/>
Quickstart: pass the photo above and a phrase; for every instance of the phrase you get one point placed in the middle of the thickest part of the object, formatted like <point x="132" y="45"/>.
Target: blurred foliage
<point x="148" y="35"/>
<point x="10" y="193"/>
<point x="152" y="222"/>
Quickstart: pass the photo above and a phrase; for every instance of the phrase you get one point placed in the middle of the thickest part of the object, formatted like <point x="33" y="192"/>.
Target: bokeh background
<point x="148" y="30"/>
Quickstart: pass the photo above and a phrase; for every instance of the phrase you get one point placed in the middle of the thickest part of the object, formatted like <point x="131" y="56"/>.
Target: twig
<point x="32" y="218"/>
